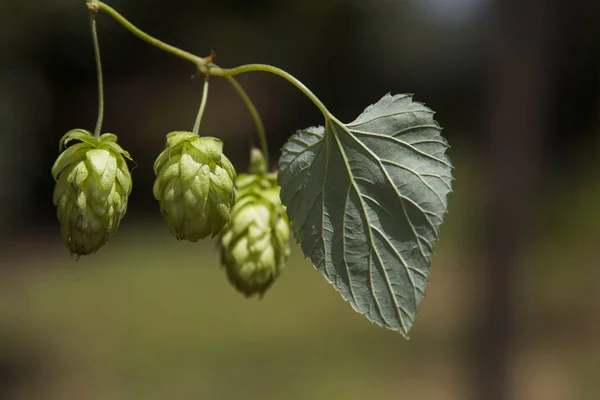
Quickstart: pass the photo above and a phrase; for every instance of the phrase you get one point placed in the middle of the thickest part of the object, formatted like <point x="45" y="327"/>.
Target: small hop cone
<point x="194" y="185"/>
<point x="93" y="184"/>
<point x="255" y="243"/>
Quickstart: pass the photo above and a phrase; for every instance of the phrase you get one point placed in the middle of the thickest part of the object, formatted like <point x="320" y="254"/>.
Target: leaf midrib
<point x="372" y="243"/>
<point x="389" y="179"/>
<point x="402" y="198"/>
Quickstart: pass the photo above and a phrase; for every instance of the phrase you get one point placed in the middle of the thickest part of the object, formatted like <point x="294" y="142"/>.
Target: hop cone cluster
<point x="93" y="184"/>
<point x="194" y="185"/>
<point x="255" y="243"/>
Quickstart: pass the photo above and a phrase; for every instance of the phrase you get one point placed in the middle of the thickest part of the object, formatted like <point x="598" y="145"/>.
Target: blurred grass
<point x="158" y="319"/>
<point x="152" y="318"/>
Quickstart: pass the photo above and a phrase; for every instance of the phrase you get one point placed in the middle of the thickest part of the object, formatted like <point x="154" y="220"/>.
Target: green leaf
<point x="366" y="200"/>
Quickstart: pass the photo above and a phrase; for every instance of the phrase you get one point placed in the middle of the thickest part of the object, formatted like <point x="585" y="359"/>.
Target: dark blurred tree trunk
<point x="515" y="109"/>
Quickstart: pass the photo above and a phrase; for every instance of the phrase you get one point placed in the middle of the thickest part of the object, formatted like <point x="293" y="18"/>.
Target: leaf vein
<point x="376" y="203"/>
<point x="440" y="177"/>
<point x="403" y="143"/>
<point x="385" y="172"/>
<point x="420" y="177"/>
<point x="401" y="259"/>
<point x="344" y="248"/>
<point x="391" y="115"/>
<point x="366" y="217"/>
<point x="299" y="153"/>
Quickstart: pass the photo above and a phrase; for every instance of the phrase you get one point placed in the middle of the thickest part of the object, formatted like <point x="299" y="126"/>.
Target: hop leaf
<point x="194" y="185"/>
<point x="93" y="184"/>
<point x="255" y="244"/>
<point x="366" y="201"/>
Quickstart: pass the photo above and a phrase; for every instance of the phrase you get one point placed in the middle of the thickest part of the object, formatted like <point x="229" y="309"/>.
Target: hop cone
<point x="92" y="187"/>
<point x="254" y="245"/>
<point x="194" y="185"/>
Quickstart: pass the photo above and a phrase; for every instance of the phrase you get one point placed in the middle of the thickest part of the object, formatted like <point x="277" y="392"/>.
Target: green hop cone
<point x="255" y="243"/>
<point x="93" y="184"/>
<point x="194" y="185"/>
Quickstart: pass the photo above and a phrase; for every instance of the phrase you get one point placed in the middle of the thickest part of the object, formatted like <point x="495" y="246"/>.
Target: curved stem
<point x="98" y="128"/>
<point x="205" y="66"/>
<point x="202" y="105"/>
<point x="214" y="70"/>
<point x="260" y="128"/>
<point x="100" y="6"/>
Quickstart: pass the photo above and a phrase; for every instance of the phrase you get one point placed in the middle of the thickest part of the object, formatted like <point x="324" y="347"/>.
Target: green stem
<point x="214" y="70"/>
<point x="202" y="105"/>
<point x="260" y="128"/>
<point x="205" y="66"/>
<point x="100" y="6"/>
<point x="98" y="128"/>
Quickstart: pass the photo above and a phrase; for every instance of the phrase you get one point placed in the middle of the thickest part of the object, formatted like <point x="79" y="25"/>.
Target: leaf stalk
<point x="217" y="71"/>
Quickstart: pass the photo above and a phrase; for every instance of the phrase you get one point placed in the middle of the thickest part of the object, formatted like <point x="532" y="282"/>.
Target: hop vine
<point x="365" y="200"/>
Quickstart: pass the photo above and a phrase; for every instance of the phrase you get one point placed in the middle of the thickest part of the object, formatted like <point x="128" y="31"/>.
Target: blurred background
<point x="513" y="306"/>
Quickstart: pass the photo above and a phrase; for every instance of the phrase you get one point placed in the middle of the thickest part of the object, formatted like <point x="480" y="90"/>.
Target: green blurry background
<point x="512" y="310"/>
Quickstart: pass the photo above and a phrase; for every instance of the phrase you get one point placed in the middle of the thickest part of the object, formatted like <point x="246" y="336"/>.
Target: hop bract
<point x="93" y="184"/>
<point x="194" y="185"/>
<point x="255" y="244"/>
